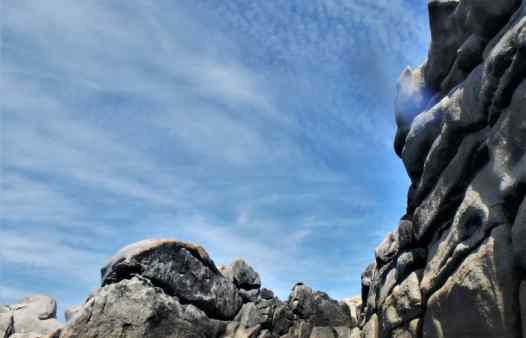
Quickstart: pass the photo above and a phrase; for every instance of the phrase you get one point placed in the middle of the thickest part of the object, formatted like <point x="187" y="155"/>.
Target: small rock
<point x="243" y="275"/>
<point x="249" y="295"/>
<point x="266" y="293"/>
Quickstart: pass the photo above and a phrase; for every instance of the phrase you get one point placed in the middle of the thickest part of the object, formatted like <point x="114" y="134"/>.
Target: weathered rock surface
<point x="136" y="308"/>
<point x="460" y="269"/>
<point x="173" y="289"/>
<point x="454" y="266"/>
<point x="180" y="269"/>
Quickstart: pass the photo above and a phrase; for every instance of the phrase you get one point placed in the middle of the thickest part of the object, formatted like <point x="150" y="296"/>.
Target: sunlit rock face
<point x="461" y="272"/>
<point x="454" y="267"/>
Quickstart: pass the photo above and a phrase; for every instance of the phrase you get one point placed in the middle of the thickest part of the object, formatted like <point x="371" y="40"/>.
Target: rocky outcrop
<point x="455" y="265"/>
<point x="168" y="288"/>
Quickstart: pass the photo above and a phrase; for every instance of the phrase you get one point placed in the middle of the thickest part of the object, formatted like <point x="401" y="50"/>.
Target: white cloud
<point x="128" y="119"/>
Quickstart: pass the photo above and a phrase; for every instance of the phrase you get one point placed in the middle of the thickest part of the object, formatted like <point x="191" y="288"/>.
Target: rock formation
<point x="454" y="267"/>
<point x="172" y="289"/>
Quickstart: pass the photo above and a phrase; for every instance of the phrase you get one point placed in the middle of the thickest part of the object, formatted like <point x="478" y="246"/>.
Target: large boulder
<point x="180" y="269"/>
<point x="135" y="308"/>
<point x="34" y="314"/>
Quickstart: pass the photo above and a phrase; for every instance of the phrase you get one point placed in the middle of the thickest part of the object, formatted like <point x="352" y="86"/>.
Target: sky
<point x="258" y="129"/>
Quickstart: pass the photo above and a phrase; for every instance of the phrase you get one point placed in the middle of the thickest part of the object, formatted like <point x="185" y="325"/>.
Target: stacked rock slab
<point x="455" y="267"/>
<point x="172" y="289"/>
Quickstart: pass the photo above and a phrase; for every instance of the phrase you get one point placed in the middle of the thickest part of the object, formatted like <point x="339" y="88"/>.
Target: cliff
<point x="454" y="267"/>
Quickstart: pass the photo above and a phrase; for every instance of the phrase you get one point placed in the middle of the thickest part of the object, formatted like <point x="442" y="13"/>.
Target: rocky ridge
<point x="454" y="267"/>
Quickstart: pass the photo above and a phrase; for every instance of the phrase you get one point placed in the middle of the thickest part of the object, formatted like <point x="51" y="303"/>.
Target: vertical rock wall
<point x="455" y="267"/>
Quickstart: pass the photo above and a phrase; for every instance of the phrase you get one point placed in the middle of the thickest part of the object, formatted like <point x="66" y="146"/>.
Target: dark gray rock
<point x="387" y="250"/>
<point x="266" y="293"/>
<point x="519" y="238"/>
<point x="437" y="208"/>
<point x="410" y="261"/>
<point x="522" y="301"/>
<point x="180" y="269"/>
<point x="446" y="38"/>
<point x="424" y="130"/>
<point x="249" y="295"/>
<point x="405" y="234"/>
<point x="243" y="275"/>
<point x="282" y="320"/>
<point x="323" y="332"/>
<point x="367" y="278"/>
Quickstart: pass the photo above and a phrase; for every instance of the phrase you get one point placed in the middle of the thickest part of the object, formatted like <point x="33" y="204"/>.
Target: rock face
<point x="180" y="269"/>
<point x="455" y="265"/>
<point x="167" y="288"/>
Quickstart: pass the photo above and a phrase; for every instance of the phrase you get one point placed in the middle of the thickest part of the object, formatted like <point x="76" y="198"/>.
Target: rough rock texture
<point x="170" y="289"/>
<point x="136" y="308"/>
<point x="456" y="264"/>
<point x="180" y="269"/>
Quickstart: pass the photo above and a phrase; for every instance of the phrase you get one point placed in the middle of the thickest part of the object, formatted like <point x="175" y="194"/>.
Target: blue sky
<point x="259" y="129"/>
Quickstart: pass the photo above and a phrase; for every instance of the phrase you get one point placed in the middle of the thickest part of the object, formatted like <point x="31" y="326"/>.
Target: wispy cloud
<point x="257" y="129"/>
